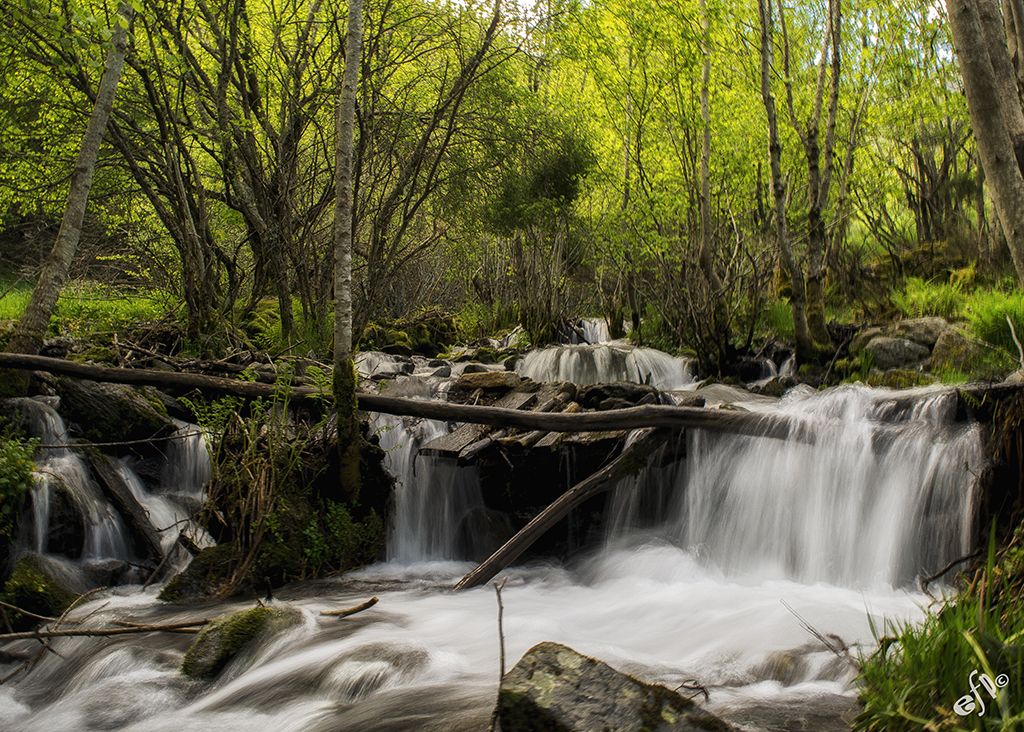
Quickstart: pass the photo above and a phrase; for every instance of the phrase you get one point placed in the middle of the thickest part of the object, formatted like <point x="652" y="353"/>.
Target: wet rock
<point x="892" y="353"/>
<point x="925" y="331"/>
<point x="204" y="574"/>
<point x="593" y="396"/>
<point x="511" y="362"/>
<point x="786" y="667"/>
<point x="218" y="643"/>
<point x="442" y="372"/>
<point x="488" y="380"/>
<point x="66" y="531"/>
<point x="688" y="399"/>
<point x="111" y="412"/>
<point x="555" y="688"/>
<point x="38" y="586"/>
<point x="435" y="363"/>
<point x="474" y="368"/>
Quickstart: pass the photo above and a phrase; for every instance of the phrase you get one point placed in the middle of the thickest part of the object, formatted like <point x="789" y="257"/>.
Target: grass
<point x="86" y="309"/>
<point x="919" y="672"/>
<point x="921" y="297"/>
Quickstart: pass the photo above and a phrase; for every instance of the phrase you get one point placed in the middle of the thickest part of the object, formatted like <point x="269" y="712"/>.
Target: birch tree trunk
<point x="987" y="107"/>
<point x="344" y="367"/>
<point x="798" y="300"/>
<point x="31" y="329"/>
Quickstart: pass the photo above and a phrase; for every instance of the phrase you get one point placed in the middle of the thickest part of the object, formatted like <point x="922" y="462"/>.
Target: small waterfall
<point x="884" y="492"/>
<point x="60" y="469"/>
<point x="608" y="363"/>
<point x="595" y="331"/>
<point x="434" y="497"/>
<point x="187" y="469"/>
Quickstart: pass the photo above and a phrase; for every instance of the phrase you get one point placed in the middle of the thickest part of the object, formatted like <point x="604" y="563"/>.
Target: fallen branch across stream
<point x="345" y="612"/>
<point x="632" y="457"/>
<point x="101" y="632"/>
<point x="655" y="415"/>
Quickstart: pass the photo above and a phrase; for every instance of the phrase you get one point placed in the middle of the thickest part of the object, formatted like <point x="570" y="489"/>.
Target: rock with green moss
<point x="900" y="379"/>
<point x="555" y="688"/>
<point x="38" y="586"/>
<point x="218" y="643"/>
<point x="210" y="569"/>
<point x="110" y="412"/>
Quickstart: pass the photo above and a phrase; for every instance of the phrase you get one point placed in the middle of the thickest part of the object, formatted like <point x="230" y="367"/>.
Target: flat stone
<point x="489" y="380"/>
<point x="920" y="330"/>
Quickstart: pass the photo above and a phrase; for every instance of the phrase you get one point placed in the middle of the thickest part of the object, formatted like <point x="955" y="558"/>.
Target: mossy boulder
<point x="554" y="688"/>
<point x="35" y="585"/>
<point x="209" y="570"/>
<point x="218" y="643"/>
<point x="110" y="412"/>
<point x="900" y="379"/>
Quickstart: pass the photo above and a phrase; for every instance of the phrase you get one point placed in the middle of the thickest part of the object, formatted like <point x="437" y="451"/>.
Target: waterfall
<point x="60" y="469"/>
<point x="595" y="330"/>
<point x="607" y="363"/>
<point x="433" y="496"/>
<point x="883" y="493"/>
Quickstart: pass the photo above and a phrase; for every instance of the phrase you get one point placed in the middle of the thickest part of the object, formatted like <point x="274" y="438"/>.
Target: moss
<point x="32" y="588"/>
<point x="225" y="638"/>
<point x="203" y="576"/>
<point x="899" y="379"/>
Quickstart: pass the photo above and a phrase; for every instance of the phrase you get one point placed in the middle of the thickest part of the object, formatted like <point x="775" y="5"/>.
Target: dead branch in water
<point x="346" y="612"/>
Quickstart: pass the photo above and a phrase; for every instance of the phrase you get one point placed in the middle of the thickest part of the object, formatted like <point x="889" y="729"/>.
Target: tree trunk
<point x="31" y="330"/>
<point x="798" y="298"/>
<point x="988" y="119"/>
<point x="344" y="367"/>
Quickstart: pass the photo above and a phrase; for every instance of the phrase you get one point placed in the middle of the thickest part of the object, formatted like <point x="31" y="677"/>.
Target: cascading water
<point x="880" y="494"/>
<point x="706" y="563"/>
<point x="603" y="364"/>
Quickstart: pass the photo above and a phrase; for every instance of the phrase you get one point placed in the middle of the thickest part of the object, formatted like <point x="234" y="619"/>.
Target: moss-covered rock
<point x="108" y="412"/>
<point x="555" y="688"/>
<point x="218" y="643"/>
<point x="203" y="576"/>
<point x="35" y="586"/>
<point x="900" y="379"/>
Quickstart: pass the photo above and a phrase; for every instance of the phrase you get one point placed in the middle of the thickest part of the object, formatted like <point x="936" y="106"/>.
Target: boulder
<point x="593" y="396"/>
<point x="218" y="643"/>
<point x="39" y="586"/>
<point x="863" y="338"/>
<point x="555" y="688"/>
<point x="954" y="350"/>
<point x="112" y="412"/>
<point x="203" y="576"/>
<point x="893" y="353"/>
<point x="925" y="331"/>
<point x="442" y="372"/>
<point x="66" y="530"/>
<point x="488" y="380"/>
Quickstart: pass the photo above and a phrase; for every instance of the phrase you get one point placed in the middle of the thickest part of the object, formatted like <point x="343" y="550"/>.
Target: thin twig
<point x="498" y="587"/>
<point x="1016" y="342"/>
<point x="840" y="648"/>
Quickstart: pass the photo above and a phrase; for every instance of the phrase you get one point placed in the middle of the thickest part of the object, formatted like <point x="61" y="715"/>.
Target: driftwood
<point x="652" y="415"/>
<point x="346" y="612"/>
<point x="100" y="632"/>
<point x="626" y="463"/>
<point x="134" y="513"/>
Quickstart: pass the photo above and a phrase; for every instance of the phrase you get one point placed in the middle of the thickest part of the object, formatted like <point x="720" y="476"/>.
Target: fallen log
<point x="628" y="462"/>
<point x="652" y="415"/>
<point x="101" y="632"/>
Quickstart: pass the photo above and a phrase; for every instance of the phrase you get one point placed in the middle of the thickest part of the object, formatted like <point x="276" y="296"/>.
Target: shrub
<point x="16" y="468"/>
<point x="923" y="297"/>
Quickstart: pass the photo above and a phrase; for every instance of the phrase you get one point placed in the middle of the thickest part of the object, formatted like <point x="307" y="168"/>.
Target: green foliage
<point x="920" y="670"/>
<point x="16" y="468"/>
<point x="334" y="541"/>
<point x="778" y="319"/>
<point x="923" y="297"/>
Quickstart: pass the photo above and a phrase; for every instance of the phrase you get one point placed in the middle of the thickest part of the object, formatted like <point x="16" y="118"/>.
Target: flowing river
<point x="710" y="569"/>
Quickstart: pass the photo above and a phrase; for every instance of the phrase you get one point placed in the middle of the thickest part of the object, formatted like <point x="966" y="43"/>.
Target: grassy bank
<point x="919" y="672"/>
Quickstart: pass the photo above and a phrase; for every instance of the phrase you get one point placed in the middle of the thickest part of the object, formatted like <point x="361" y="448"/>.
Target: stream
<point x="708" y="571"/>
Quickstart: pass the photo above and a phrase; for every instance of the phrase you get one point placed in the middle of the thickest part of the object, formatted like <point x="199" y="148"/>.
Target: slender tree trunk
<point x="720" y="325"/>
<point x="804" y="344"/>
<point x="31" y="329"/>
<point x="344" y="367"/>
<point x="988" y="119"/>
